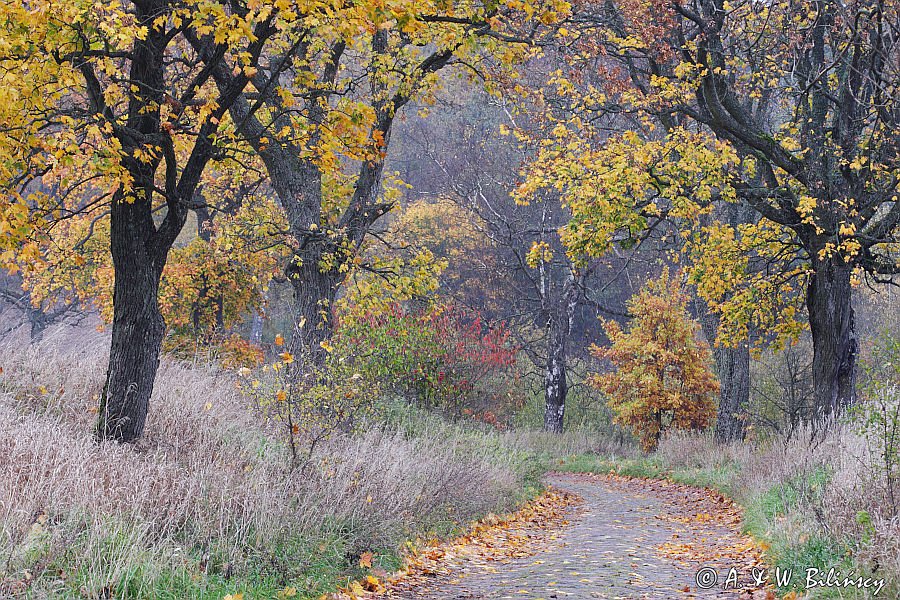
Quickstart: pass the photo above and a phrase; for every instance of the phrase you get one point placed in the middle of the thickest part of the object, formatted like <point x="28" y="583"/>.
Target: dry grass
<point x="570" y="443"/>
<point x="686" y="450"/>
<point x="862" y="500"/>
<point x="207" y="489"/>
<point x="803" y="490"/>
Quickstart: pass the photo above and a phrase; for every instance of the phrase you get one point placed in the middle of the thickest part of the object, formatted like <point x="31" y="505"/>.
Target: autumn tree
<point x="552" y="297"/>
<point x="471" y="276"/>
<point x="805" y="96"/>
<point x="38" y="316"/>
<point x="662" y="374"/>
<point x="220" y="276"/>
<point x="330" y="98"/>
<point x="107" y="112"/>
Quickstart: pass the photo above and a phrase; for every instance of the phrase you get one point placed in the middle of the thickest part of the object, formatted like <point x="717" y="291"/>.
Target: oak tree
<point x="329" y="100"/>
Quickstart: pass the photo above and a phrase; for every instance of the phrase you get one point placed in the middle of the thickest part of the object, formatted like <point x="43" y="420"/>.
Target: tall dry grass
<point x="808" y="487"/>
<point x="207" y="488"/>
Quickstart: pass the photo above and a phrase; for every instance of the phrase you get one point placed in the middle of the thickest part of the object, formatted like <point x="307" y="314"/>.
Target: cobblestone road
<point x="625" y="540"/>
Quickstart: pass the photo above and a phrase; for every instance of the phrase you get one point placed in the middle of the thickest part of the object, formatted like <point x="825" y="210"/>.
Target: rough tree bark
<point x="315" y="291"/>
<point x="733" y="366"/>
<point x="138" y="327"/>
<point x="835" y="346"/>
<point x="733" y="373"/>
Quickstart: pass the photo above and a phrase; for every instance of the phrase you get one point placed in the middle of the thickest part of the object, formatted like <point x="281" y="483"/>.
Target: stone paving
<point x="609" y="549"/>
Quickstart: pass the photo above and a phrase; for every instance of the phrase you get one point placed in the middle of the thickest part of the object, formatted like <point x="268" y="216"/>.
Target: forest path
<point x="604" y="536"/>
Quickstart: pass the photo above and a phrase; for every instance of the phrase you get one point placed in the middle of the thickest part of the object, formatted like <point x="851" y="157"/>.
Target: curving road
<point x="628" y="538"/>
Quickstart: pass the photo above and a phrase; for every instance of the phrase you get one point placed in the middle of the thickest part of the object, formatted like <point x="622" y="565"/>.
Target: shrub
<point x="662" y="377"/>
<point x="437" y="357"/>
<point x="305" y="404"/>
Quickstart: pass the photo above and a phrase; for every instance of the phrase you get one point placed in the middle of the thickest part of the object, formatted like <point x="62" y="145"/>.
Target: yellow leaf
<point x="372" y="584"/>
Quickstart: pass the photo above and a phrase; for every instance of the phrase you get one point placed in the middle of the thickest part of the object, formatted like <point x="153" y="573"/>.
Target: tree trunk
<point x="559" y="327"/>
<point x="830" y="306"/>
<point x="139" y="252"/>
<point x="314" y="295"/>
<point x="733" y="373"/>
<point x="733" y="366"/>
<point x="555" y="384"/>
<point x="138" y="326"/>
<point x="256" y="328"/>
<point x="39" y="322"/>
<point x="204" y="300"/>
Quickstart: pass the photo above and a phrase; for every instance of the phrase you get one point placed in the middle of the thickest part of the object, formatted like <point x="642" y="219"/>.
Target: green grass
<point x="820" y="553"/>
<point x="311" y="566"/>
<point x="768" y="516"/>
<point x="720" y="478"/>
